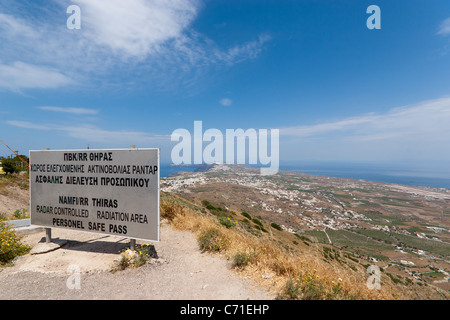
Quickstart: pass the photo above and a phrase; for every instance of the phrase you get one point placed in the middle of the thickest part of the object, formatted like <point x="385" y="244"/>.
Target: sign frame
<point x="157" y="224"/>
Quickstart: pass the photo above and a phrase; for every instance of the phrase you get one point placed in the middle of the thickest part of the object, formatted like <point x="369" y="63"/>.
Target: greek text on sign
<point x="112" y="192"/>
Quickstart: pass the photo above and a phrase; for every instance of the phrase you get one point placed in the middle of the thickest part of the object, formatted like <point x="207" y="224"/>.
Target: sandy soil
<point x="180" y="271"/>
<point x="14" y="199"/>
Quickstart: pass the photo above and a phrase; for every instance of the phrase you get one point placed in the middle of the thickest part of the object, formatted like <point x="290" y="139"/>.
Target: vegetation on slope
<point x="290" y="265"/>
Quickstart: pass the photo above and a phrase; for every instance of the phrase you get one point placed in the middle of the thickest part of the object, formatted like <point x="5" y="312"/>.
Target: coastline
<point x="393" y="175"/>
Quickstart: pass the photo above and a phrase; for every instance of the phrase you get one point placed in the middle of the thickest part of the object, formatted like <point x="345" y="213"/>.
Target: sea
<point x="434" y="176"/>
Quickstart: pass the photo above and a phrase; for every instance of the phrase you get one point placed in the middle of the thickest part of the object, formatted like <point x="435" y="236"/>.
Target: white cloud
<point x="226" y="102"/>
<point x="249" y="50"/>
<point x="152" y="40"/>
<point x="444" y="28"/>
<point x="94" y="134"/>
<point x="28" y="125"/>
<point x="136" y="27"/>
<point x="323" y="128"/>
<point x="426" y="118"/>
<point x="419" y="131"/>
<point x="20" y="75"/>
<point x="79" y="111"/>
<point x="14" y="27"/>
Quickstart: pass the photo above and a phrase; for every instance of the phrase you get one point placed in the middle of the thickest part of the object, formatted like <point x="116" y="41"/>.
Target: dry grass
<point x="13" y="194"/>
<point x="291" y="272"/>
<point x="11" y="181"/>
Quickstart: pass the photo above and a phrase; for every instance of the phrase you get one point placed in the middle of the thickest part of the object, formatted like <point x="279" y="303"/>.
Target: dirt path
<point x="180" y="272"/>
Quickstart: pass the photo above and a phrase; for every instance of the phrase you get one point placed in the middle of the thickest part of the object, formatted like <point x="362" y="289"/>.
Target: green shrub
<point x="10" y="244"/>
<point x="143" y="255"/>
<point x="245" y="214"/>
<point x="302" y="237"/>
<point x="19" y="214"/>
<point x="257" y="222"/>
<point x="135" y="259"/>
<point x="226" y="221"/>
<point x="213" y="240"/>
<point x="291" y="290"/>
<point x="208" y="205"/>
<point x="350" y="256"/>
<point x="217" y="211"/>
<point x="276" y="226"/>
<point x="240" y="259"/>
<point x="9" y="165"/>
<point x="394" y="279"/>
<point x="308" y="286"/>
<point x="260" y="228"/>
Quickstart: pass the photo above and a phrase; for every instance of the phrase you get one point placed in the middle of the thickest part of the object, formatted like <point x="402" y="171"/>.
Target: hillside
<point x="342" y="224"/>
<point x="290" y="266"/>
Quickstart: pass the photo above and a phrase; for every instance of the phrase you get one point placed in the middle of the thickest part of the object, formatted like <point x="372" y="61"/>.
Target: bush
<point x="208" y="205"/>
<point x="291" y="291"/>
<point x="302" y="237"/>
<point x="394" y="279"/>
<point x="19" y="214"/>
<point x="9" y="165"/>
<point x="226" y="221"/>
<point x="257" y="222"/>
<point x="170" y="209"/>
<point x="16" y="164"/>
<point x="10" y="244"/>
<point x="245" y="214"/>
<point x="131" y="258"/>
<point x="309" y="286"/>
<point x="213" y="240"/>
<point x="274" y="225"/>
<point x="240" y="259"/>
<point x="260" y="228"/>
<point x="217" y="211"/>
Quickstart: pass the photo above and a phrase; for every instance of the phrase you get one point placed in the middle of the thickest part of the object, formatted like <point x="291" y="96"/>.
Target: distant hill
<point x="221" y="167"/>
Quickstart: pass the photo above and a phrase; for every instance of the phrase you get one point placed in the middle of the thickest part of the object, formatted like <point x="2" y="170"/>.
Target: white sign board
<point x="112" y="192"/>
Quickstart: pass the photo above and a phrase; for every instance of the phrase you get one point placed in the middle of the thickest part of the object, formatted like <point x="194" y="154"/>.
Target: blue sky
<point x="138" y="70"/>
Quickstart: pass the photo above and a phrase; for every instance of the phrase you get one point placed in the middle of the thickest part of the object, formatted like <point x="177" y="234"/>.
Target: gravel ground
<point x="180" y="271"/>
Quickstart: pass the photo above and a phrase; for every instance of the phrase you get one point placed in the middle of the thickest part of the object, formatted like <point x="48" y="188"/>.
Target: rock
<point x="44" y="247"/>
<point x="267" y="276"/>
